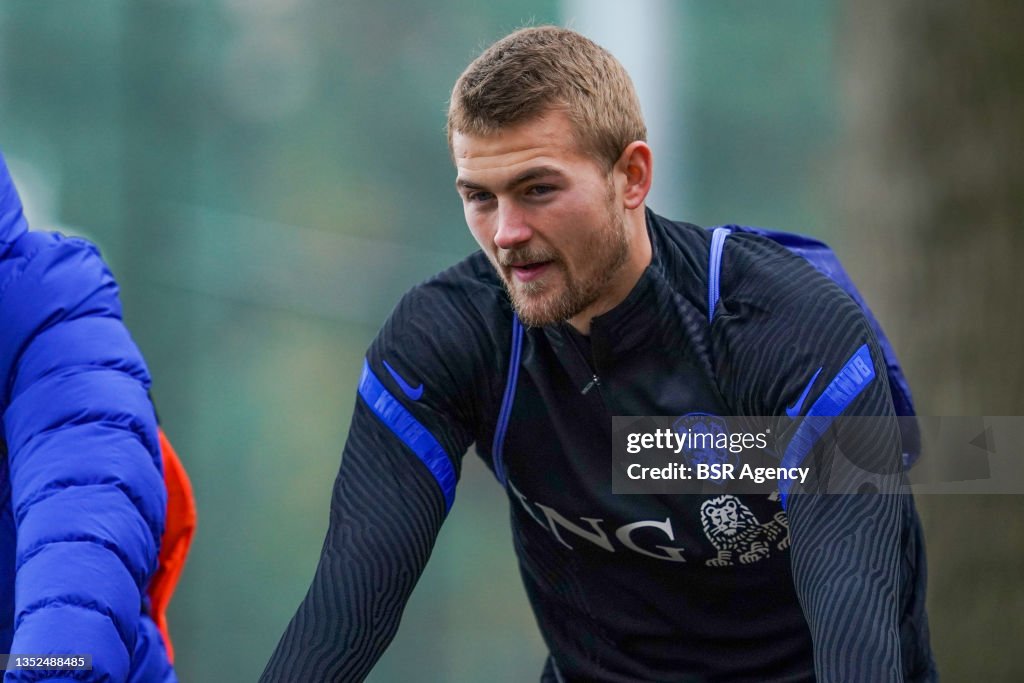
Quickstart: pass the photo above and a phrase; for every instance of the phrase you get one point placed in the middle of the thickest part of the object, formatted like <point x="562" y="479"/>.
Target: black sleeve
<point x="385" y="514"/>
<point x="799" y="349"/>
<point x="410" y="429"/>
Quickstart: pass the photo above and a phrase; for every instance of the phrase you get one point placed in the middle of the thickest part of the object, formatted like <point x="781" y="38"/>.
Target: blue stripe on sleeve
<point x="848" y="383"/>
<point x="410" y="431"/>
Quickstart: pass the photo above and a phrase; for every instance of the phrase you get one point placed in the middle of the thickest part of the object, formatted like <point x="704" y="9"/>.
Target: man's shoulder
<point x="680" y="255"/>
<point x="752" y="266"/>
<point x="448" y="334"/>
<point x="469" y="290"/>
<point x="460" y="312"/>
<point x="756" y="268"/>
<point x="473" y="276"/>
<point x="678" y="243"/>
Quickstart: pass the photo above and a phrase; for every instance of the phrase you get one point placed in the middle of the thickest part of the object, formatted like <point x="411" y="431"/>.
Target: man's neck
<point x="629" y="273"/>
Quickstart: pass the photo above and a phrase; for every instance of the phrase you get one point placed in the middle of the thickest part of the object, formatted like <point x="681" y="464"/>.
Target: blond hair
<point x="539" y="69"/>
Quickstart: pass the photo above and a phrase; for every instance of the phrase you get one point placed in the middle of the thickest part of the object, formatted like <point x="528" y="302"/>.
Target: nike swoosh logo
<point x="413" y="393"/>
<point x="794" y="409"/>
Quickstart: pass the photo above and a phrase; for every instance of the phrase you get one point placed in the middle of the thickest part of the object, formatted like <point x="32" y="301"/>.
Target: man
<point x="82" y="499"/>
<point x="548" y="142"/>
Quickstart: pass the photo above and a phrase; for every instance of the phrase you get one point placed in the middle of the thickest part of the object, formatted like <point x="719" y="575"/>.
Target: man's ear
<point x="636" y="165"/>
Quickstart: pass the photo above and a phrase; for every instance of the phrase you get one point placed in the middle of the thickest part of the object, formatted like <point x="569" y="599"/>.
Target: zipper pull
<point x="595" y="382"/>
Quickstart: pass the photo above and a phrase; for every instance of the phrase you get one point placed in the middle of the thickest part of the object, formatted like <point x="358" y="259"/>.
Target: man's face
<point x="548" y="217"/>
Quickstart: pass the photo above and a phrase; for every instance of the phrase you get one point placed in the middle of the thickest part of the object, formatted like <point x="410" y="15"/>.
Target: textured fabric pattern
<point x="82" y="498"/>
<point x="629" y="588"/>
<point x="385" y="513"/>
<point x="846" y="548"/>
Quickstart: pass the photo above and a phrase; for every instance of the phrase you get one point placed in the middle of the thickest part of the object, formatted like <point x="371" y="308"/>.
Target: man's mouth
<point x="529" y="271"/>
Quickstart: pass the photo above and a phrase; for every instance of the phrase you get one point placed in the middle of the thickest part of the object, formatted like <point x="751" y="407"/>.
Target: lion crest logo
<point x="737" y="535"/>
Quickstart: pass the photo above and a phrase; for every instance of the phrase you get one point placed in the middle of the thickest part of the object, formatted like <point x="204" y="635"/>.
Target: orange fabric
<point x="174" y="545"/>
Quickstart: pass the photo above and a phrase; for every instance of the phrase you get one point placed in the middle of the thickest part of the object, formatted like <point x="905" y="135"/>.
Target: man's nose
<point x="513" y="228"/>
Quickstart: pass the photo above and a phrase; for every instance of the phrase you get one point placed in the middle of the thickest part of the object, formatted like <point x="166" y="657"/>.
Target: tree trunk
<point x="933" y="193"/>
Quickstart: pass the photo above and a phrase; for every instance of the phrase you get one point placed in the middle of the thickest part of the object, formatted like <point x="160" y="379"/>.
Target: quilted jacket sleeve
<point x="86" y="488"/>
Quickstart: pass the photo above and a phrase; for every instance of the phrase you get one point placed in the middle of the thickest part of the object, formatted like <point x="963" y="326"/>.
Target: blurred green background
<point x="266" y="177"/>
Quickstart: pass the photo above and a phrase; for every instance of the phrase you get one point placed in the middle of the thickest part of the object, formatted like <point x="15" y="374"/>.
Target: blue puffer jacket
<point x="82" y="498"/>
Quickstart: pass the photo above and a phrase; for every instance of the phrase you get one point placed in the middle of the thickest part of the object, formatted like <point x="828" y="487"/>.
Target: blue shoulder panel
<point x="410" y="431"/>
<point x="822" y="258"/>
<point x="856" y="374"/>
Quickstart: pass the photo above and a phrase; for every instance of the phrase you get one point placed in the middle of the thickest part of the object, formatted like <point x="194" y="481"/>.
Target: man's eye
<point x="479" y="196"/>
<point x="537" y="190"/>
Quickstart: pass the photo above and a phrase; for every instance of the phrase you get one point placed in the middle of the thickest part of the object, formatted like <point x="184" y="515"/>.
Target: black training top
<point x="717" y="586"/>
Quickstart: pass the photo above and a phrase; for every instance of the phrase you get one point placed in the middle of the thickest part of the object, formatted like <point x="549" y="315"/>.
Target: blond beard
<point x="606" y="254"/>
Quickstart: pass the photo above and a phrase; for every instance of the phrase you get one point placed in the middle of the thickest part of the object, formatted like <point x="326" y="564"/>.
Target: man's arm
<point x="847" y="532"/>
<point x="845" y="560"/>
<point x="86" y="490"/>
<point x="799" y="346"/>
<point x="386" y="510"/>
<point x="410" y="429"/>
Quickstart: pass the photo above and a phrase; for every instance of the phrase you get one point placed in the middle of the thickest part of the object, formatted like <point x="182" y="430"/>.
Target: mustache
<point x="510" y="257"/>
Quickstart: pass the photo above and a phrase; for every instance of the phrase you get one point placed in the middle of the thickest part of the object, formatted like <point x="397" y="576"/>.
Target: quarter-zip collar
<point x="631" y="324"/>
